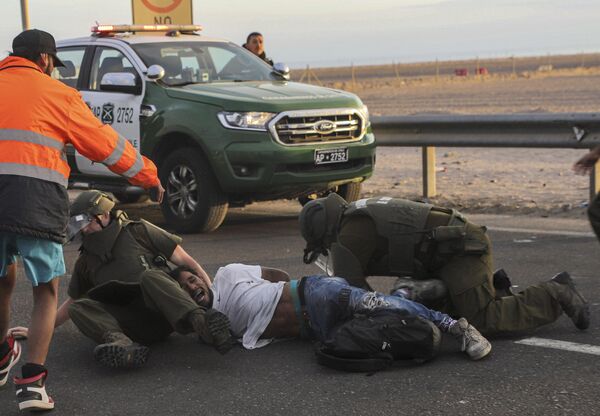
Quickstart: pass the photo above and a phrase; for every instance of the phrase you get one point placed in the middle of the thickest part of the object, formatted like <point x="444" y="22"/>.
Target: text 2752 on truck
<point x="223" y="127"/>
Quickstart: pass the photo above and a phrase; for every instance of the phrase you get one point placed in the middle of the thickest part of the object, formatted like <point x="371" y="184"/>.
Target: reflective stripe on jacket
<point x="40" y="115"/>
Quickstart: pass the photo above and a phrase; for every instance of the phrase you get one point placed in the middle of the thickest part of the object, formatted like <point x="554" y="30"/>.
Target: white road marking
<point x="536" y="231"/>
<point x="560" y="345"/>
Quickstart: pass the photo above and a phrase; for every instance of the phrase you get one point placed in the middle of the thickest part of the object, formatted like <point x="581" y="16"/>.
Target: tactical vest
<point x="401" y="222"/>
<point x="122" y="253"/>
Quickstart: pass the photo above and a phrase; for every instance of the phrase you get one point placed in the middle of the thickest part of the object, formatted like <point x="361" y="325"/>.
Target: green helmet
<point x="319" y="222"/>
<point x="85" y="208"/>
<point x="92" y="202"/>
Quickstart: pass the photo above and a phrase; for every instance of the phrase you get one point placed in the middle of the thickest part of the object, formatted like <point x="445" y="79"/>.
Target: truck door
<point x="120" y="110"/>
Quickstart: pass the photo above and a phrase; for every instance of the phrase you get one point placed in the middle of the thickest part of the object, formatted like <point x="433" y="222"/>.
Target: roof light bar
<point x="105" y="29"/>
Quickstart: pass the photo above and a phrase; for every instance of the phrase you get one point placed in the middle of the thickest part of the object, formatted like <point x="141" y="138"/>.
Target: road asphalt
<point x="183" y="377"/>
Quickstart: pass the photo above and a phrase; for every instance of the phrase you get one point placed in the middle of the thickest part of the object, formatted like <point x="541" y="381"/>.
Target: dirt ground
<point x="567" y="91"/>
<point x="492" y="180"/>
<point x="517" y="181"/>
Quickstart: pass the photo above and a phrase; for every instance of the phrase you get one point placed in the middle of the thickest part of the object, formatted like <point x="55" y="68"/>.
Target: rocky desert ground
<point x="535" y="182"/>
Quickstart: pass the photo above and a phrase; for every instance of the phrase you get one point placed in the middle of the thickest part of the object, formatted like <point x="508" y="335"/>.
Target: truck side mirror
<point x="155" y="72"/>
<point x="282" y="69"/>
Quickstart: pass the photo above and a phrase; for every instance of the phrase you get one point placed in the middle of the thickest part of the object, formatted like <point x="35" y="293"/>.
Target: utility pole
<point x="396" y="70"/>
<point x="514" y="67"/>
<point x="25" y="14"/>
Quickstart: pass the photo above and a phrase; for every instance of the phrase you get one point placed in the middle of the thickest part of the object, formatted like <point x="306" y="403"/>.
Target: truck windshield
<point x="204" y="62"/>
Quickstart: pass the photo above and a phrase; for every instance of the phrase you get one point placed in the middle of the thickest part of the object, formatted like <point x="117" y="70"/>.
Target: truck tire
<point x="350" y="192"/>
<point x="193" y="201"/>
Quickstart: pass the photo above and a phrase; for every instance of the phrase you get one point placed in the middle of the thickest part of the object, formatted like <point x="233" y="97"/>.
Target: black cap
<point x="36" y="41"/>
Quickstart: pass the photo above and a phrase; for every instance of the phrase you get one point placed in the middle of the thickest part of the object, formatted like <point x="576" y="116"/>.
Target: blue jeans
<point x="322" y="298"/>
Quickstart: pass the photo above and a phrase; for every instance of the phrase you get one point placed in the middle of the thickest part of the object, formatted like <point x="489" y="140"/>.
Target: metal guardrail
<point x="533" y="130"/>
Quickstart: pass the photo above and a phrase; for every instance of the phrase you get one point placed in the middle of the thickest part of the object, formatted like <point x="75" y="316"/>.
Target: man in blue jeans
<point x="263" y="303"/>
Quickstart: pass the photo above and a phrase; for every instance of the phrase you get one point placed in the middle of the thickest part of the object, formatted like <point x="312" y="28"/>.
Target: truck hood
<point x="271" y="96"/>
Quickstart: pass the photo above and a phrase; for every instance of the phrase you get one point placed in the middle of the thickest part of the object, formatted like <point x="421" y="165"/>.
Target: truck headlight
<point x="245" y="120"/>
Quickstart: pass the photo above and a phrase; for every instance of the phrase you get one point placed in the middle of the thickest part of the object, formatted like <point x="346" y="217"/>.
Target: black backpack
<point x="373" y="341"/>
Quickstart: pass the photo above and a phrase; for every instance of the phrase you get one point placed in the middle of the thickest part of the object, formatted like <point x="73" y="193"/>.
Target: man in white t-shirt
<point x="263" y="303"/>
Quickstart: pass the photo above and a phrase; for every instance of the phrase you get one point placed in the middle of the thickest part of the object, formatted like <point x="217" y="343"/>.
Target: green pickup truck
<point x="223" y="127"/>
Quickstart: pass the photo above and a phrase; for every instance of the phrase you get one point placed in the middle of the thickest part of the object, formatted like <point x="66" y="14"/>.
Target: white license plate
<point x="326" y="156"/>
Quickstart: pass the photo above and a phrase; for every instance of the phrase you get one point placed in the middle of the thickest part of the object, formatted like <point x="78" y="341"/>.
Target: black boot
<point x="422" y="291"/>
<point x="502" y="284"/>
<point x="572" y="302"/>
<point x="119" y="351"/>
<point x="212" y="327"/>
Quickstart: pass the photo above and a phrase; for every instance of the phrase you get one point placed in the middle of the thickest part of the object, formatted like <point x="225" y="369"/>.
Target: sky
<point x="360" y="32"/>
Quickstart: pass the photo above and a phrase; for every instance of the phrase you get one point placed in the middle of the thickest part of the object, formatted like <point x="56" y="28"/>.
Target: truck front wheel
<point x="193" y="201"/>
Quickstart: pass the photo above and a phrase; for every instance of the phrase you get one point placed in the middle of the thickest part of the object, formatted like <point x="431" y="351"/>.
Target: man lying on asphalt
<point x="263" y="303"/>
<point x="120" y="294"/>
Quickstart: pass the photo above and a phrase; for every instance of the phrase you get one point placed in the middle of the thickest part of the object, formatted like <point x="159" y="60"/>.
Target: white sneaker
<point x="472" y="342"/>
<point x="31" y="393"/>
<point x="9" y="360"/>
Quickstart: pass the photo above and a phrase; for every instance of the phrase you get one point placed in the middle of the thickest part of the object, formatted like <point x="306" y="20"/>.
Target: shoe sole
<point x="581" y="319"/>
<point x="483" y="353"/>
<point x="34" y="405"/>
<point x="14" y="362"/>
<point x="218" y="326"/>
<point x="115" y="356"/>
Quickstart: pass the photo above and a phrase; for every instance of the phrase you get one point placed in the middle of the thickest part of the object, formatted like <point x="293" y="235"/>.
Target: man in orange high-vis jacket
<point x="39" y="116"/>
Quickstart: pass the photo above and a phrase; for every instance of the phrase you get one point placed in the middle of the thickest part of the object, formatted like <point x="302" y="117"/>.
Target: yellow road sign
<point x="162" y="12"/>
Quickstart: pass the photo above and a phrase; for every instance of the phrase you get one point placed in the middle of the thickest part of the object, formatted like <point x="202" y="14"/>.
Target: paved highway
<point x="526" y="374"/>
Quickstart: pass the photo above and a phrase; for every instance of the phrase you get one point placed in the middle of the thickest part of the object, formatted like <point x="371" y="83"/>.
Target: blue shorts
<point x="43" y="259"/>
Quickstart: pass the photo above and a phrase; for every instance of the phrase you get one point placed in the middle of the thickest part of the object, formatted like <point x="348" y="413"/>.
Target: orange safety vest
<point x="40" y="115"/>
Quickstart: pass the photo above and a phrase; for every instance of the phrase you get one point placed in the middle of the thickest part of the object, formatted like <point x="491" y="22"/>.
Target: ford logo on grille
<point x="324" y="126"/>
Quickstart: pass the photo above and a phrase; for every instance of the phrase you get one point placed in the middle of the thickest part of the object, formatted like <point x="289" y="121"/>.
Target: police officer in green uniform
<point x="397" y="237"/>
<point x="120" y="294"/>
<point x="584" y="166"/>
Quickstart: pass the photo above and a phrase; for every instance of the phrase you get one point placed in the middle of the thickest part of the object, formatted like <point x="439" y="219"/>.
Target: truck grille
<point x="296" y="128"/>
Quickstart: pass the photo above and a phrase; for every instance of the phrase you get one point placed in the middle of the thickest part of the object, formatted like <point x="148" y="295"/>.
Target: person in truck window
<point x="255" y="44"/>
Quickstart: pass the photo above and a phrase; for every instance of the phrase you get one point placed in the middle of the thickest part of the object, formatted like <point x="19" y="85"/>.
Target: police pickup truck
<point x="223" y="127"/>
